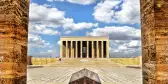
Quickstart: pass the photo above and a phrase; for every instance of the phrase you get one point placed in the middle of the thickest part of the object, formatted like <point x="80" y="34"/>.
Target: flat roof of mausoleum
<point x="95" y="38"/>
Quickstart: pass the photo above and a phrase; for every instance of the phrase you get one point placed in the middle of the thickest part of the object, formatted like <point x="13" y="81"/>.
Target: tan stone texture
<point x="29" y="60"/>
<point x="13" y="41"/>
<point x="154" y="16"/>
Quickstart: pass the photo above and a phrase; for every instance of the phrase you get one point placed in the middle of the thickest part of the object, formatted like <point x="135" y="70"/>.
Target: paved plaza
<point x="111" y="73"/>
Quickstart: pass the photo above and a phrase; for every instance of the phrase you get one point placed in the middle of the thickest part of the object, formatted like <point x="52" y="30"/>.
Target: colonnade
<point x="84" y="49"/>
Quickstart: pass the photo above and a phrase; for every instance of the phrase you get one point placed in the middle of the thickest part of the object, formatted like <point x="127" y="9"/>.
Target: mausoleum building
<point x="84" y="47"/>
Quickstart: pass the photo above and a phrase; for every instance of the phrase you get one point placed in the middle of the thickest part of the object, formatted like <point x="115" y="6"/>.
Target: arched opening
<point x="14" y="35"/>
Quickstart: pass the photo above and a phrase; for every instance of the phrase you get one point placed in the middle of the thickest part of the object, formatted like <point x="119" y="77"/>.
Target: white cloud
<point x="49" y="31"/>
<point x="42" y="29"/>
<point x="79" y="26"/>
<point x="134" y="44"/>
<point x="130" y="12"/>
<point x="118" y="11"/>
<point x="43" y="14"/>
<point x="50" y="0"/>
<point x="68" y="32"/>
<point x="53" y="18"/>
<point x="36" y="41"/>
<point x="58" y="43"/>
<point x="125" y="41"/>
<point x="125" y="48"/>
<point x="38" y="47"/>
<point x="117" y="33"/>
<point x="103" y="11"/>
<point x="49" y="51"/>
<point x="55" y="0"/>
<point x="83" y="2"/>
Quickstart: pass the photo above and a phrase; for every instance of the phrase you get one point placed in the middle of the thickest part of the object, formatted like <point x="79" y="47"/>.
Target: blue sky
<point x="118" y="19"/>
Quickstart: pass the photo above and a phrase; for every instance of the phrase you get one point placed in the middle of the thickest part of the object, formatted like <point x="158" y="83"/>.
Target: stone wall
<point x="154" y="16"/>
<point x="13" y="41"/>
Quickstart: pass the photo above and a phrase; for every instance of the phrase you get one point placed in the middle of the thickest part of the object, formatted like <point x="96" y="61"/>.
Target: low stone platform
<point x="34" y="66"/>
<point x="84" y="62"/>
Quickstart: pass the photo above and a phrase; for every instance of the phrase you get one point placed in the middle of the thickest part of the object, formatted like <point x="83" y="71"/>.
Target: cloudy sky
<point x="118" y="19"/>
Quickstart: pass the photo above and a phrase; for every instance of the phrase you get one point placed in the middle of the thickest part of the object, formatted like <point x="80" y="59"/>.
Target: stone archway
<point x="14" y="33"/>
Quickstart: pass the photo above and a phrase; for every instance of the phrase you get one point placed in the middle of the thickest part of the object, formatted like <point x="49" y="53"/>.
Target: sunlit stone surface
<point x="13" y="41"/>
<point x="60" y="72"/>
<point x="154" y="18"/>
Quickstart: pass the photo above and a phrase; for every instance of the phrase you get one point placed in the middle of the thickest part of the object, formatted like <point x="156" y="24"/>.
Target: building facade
<point x="84" y="47"/>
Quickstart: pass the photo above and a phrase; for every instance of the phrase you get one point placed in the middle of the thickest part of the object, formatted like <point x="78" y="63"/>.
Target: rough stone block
<point x="13" y="41"/>
<point x="154" y="17"/>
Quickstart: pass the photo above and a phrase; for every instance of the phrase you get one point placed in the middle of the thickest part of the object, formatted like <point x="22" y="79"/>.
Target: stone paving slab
<point x="61" y="75"/>
<point x="60" y="72"/>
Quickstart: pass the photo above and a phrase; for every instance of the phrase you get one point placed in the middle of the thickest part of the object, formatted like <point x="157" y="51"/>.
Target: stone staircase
<point x="84" y="63"/>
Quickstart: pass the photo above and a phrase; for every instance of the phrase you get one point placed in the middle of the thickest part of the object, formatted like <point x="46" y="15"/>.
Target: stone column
<point x="76" y="50"/>
<point x="13" y="41"/>
<point x="107" y="49"/>
<point x="87" y="49"/>
<point x="61" y="49"/>
<point x="72" y="56"/>
<point x="97" y="48"/>
<point x="93" y="49"/>
<point x="154" y="18"/>
<point x="71" y="49"/>
<point x="102" y="49"/>
<point x="67" y="56"/>
<point x="81" y="43"/>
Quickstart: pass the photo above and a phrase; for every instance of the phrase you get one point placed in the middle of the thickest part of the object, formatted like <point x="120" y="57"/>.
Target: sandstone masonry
<point x="154" y="18"/>
<point x="13" y="41"/>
